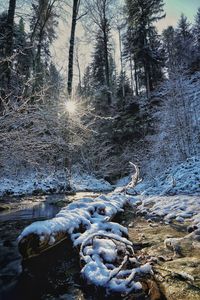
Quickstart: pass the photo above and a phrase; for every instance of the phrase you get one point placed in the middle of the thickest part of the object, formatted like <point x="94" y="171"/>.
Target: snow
<point x="51" y="182"/>
<point x="89" y="212"/>
<point x="88" y="182"/>
<point x="99" y="241"/>
<point x="183" y="178"/>
<point x="88" y="223"/>
<point x="123" y="181"/>
<point x="180" y="208"/>
<point x="30" y="183"/>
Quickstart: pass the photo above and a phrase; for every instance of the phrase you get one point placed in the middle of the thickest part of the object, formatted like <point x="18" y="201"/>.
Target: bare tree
<point x="76" y="4"/>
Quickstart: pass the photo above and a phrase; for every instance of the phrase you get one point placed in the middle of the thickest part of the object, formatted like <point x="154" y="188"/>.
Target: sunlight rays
<point x="71" y="107"/>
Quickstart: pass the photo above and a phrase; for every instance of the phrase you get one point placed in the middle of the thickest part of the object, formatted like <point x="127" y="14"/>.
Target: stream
<point x="55" y="275"/>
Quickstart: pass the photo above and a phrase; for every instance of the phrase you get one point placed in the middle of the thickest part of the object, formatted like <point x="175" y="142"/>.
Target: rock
<point x="174" y="245"/>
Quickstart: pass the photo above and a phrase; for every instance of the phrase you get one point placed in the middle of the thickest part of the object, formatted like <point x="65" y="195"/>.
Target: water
<point x="37" y="211"/>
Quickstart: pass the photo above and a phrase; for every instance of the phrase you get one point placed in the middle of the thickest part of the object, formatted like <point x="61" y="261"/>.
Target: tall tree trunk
<point x="71" y="47"/>
<point x="7" y="64"/>
<point x="147" y="83"/>
<point x="136" y="79"/>
<point x="79" y="71"/>
<point x="107" y="69"/>
<point x="121" y="61"/>
<point x="5" y="70"/>
<point x="9" y="37"/>
<point x="131" y="69"/>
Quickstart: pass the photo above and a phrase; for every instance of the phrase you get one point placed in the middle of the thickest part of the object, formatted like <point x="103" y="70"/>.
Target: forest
<point x="99" y="149"/>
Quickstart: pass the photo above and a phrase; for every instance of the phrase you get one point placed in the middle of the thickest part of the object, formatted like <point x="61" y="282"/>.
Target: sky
<point x="174" y="8"/>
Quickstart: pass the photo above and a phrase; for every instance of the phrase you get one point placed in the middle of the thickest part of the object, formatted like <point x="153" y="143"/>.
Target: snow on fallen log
<point x="106" y="255"/>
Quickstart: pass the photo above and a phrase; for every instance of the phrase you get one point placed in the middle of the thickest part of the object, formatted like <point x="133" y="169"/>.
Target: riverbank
<point x="55" y="183"/>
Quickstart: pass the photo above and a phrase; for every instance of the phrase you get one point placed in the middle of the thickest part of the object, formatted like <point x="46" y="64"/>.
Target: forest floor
<point x="177" y="272"/>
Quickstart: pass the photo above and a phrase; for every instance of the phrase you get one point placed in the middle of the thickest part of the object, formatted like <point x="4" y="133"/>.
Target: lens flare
<point x="70" y="107"/>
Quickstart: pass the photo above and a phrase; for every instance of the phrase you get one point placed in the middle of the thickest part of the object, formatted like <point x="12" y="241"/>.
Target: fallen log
<point x="71" y="222"/>
<point x="106" y="255"/>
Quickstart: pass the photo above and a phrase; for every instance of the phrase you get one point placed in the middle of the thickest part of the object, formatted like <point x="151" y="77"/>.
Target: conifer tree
<point x="184" y="43"/>
<point x="169" y="47"/>
<point x="142" y="14"/>
<point x="43" y="24"/>
<point x="196" y="32"/>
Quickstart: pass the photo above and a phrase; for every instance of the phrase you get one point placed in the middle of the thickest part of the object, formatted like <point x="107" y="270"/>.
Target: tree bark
<point x="107" y="69"/>
<point x="121" y="61"/>
<point x="79" y="71"/>
<point x="147" y="79"/>
<point x="131" y="69"/>
<point x="9" y="36"/>
<point x="136" y="79"/>
<point x="71" y="47"/>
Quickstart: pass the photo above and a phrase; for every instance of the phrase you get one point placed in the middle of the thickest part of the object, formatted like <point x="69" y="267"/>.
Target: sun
<point x="70" y="107"/>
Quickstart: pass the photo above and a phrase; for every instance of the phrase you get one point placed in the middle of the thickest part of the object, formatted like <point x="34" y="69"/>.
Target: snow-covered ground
<point x="181" y="179"/>
<point x="55" y="182"/>
<point x="30" y="183"/>
<point x="183" y="209"/>
<point x="175" y="195"/>
<point x="87" y="182"/>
